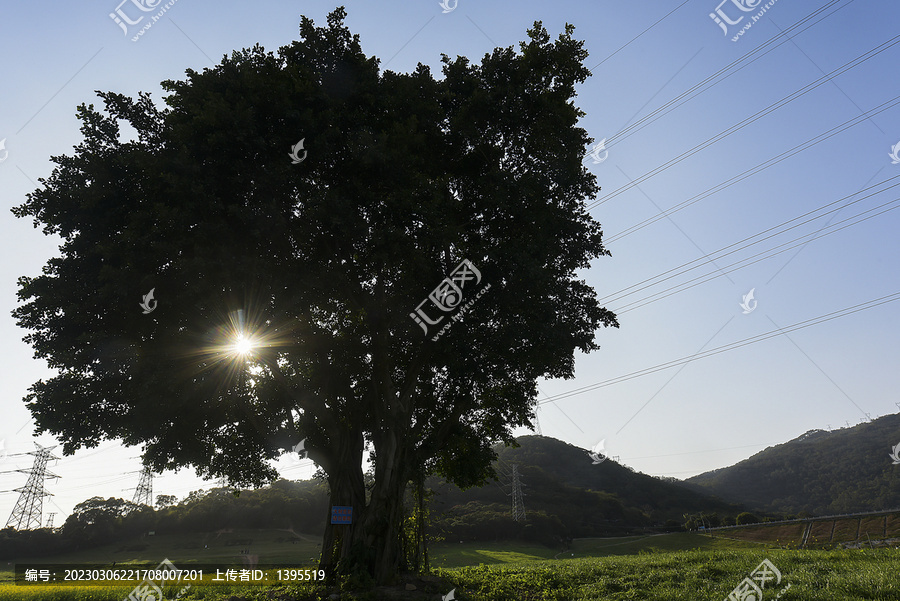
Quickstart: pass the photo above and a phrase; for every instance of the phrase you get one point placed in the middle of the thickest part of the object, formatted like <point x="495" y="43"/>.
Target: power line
<point x="728" y="347"/>
<point x="756" y="169"/>
<point x="718" y="254"/>
<point x="767" y="254"/>
<point x="661" y="19"/>
<point x="662" y="111"/>
<point x="96" y="484"/>
<point x="69" y="461"/>
<point x="57" y="506"/>
<point x="674" y="103"/>
<point x="561" y="411"/>
<point x="751" y="119"/>
<point x="712" y="255"/>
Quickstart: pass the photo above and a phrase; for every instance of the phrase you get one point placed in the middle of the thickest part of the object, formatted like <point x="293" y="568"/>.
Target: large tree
<point x="330" y="267"/>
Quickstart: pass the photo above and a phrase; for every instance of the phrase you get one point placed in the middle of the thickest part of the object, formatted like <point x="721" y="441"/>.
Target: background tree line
<point x="302" y="506"/>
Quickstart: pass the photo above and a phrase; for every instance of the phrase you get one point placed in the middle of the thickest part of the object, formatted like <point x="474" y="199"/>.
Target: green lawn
<point x="455" y="555"/>
<point x="687" y="576"/>
<point x="630" y="545"/>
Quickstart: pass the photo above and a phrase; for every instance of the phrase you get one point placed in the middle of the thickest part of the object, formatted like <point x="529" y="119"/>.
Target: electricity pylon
<point x="537" y="425"/>
<point x="143" y="495"/>
<point x="518" y="503"/>
<point x="26" y="515"/>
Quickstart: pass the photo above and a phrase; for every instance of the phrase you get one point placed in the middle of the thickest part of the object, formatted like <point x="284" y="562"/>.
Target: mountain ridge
<point x="817" y="473"/>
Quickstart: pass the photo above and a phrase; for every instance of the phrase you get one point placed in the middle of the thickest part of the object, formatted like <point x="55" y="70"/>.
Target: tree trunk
<point x="418" y="522"/>
<point x="345" y="479"/>
<point x="421" y="540"/>
<point x="371" y="544"/>
<point x="383" y="529"/>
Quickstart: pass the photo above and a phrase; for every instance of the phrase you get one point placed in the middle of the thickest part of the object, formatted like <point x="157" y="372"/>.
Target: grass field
<point x="672" y="567"/>
<point x="455" y="555"/>
<point x="687" y="576"/>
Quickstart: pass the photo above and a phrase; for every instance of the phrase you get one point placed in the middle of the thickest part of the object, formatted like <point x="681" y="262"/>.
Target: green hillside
<point x="566" y="463"/>
<point x="566" y="496"/>
<point x="820" y="473"/>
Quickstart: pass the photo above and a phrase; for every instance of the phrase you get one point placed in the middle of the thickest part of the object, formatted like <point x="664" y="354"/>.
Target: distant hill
<point x="819" y="473"/>
<point x="567" y="495"/>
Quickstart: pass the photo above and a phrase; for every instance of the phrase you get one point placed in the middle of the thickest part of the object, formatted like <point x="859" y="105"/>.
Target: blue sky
<point x="680" y="421"/>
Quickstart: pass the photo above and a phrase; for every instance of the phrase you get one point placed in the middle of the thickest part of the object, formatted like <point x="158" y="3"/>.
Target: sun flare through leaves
<point x="243" y="345"/>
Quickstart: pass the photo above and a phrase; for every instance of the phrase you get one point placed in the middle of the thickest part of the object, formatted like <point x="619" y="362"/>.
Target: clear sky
<point x="758" y="121"/>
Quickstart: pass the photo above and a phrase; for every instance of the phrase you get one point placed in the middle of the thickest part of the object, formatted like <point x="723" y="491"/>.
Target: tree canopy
<point x="454" y="205"/>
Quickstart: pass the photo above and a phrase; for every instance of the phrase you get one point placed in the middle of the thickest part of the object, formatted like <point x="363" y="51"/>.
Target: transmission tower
<point x="143" y="495"/>
<point x="50" y="519"/>
<point x="26" y="515"/>
<point x="518" y="505"/>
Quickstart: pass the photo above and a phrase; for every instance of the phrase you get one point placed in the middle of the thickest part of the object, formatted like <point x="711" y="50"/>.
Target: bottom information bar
<point x="124" y="574"/>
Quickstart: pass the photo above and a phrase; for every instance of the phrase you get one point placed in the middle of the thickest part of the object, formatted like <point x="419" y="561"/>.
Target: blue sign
<point x="341" y="514"/>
